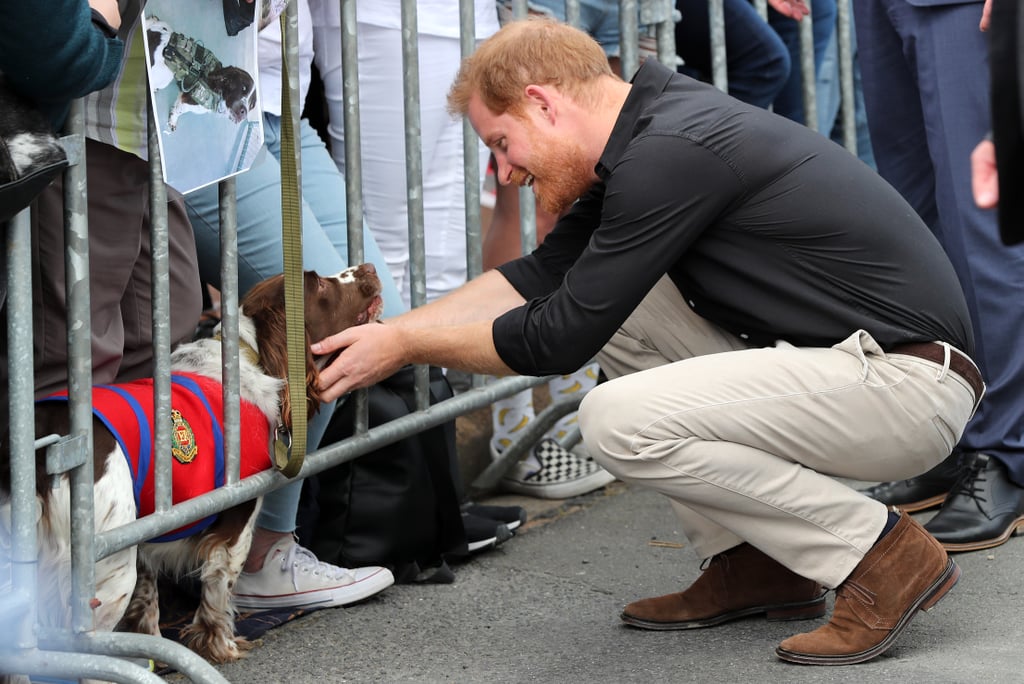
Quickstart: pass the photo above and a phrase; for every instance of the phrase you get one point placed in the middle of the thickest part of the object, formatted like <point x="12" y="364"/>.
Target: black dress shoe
<point x="983" y="510"/>
<point x="924" y="491"/>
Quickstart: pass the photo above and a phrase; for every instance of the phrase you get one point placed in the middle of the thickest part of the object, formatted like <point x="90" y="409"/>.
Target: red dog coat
<point x="197" y="438"/>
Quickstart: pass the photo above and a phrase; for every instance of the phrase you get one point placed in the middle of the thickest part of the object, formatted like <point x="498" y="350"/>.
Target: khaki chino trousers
<point x="747" y="442"/>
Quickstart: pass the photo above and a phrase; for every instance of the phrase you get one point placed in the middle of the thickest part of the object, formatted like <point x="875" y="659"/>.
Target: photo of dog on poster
<point x="204" y="86"/>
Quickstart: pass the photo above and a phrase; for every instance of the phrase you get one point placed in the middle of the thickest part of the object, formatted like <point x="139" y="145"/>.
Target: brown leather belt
<point x="959" y="362"/>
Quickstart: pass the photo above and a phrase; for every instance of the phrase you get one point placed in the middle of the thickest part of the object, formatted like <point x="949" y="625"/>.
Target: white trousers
<point x="746" y="442"/>
<point x="382" y="129"/>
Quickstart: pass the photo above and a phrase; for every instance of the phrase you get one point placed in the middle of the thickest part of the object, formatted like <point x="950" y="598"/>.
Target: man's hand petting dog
<point x="369" y="353"/>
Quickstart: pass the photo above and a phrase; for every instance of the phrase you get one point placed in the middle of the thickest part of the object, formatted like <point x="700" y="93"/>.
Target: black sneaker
<point x="483" y="533"/>
<point x="511" y="516"/>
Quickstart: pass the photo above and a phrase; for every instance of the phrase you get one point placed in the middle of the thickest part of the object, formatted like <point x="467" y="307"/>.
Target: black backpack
<point x="397" y="506"/>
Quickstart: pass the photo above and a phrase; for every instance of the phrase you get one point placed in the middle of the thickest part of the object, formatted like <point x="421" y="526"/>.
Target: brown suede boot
<point x="907" y="571"/>
<point x="736" y="583"/>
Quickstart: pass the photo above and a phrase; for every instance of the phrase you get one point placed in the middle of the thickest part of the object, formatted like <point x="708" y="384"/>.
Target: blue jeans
<point x="790" y="101"/>
<point x="757" y="61"/>
<point x="599" y="18"/>
<point x="260" y="254"/>
<point x="830" y="99"/>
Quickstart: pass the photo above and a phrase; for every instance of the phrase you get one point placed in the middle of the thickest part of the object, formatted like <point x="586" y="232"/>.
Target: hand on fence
<point x="109" y="10"/>
<point x="984" y="179"/>
<point x="794" y="9"/>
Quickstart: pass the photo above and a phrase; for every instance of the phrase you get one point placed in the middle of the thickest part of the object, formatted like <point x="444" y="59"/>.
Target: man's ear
<point x="544" y="100"/>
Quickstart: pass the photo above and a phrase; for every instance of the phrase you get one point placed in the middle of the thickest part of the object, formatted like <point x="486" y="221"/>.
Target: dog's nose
<point x="370" y="268"/>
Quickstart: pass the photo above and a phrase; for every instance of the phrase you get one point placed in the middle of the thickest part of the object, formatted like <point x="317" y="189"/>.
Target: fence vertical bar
<point x="22" y="425"/>
<point x="470" y="145"/>
<point x="847" y="101"/>
<point x="230" y="373"/>
<point x="527" y="204"/>
<point x="629" y="38"/>
<point x="572" y="13"/>
<point x="76" y="267"/>
<point x="353" y="166"/>
<point x="414" y="178"/>
<point x="719" y="66"/>
<point x="808" y="71"/>
<point x="160" y="321"/>
<point x="664" y="20"/>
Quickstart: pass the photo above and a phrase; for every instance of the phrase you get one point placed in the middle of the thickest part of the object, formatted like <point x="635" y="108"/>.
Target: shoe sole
<point x="1015" y="529"/>
<point x="566" y="490"/>
<point x="806" y="610"/>
<point x="500" y="538"/>
<point x="922" y="505"/>
<point x="926" y="601"/>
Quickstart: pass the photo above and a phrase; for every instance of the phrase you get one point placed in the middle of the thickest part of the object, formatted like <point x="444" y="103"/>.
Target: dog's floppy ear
<point x="264" y="304"/>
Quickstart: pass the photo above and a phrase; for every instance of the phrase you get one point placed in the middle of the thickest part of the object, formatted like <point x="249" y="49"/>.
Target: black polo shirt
<point x="768" y="229"/>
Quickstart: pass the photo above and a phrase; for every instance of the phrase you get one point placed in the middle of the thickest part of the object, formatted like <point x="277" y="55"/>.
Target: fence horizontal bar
<point x="129" y="645"/>
<point x="213" y="502"/>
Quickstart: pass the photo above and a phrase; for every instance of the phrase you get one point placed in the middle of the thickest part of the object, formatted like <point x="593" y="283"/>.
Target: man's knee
<point x="604" y="425"/>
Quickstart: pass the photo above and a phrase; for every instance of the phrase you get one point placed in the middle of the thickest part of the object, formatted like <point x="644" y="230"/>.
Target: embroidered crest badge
<point x="183" y="440"/>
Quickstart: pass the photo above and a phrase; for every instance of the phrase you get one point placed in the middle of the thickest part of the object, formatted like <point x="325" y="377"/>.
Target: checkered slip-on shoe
<point x="562" y="474"/>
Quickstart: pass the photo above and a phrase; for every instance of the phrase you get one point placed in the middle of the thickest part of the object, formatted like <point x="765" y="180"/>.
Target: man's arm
<point x="453" y="332"/>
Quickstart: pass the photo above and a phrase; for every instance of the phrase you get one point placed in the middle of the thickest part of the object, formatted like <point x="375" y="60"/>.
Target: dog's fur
<point x="235" y="85"/>
<point x="218" y="552"/>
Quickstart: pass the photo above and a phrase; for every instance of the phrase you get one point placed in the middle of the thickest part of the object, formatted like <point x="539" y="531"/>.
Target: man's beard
<point x="561" y="175"/>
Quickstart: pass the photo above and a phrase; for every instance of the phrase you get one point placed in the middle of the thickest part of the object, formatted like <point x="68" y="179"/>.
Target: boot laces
<point x="971" y="481"/>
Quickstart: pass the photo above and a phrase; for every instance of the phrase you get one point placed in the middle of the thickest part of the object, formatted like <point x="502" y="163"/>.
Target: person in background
<point x="996" y="163"/>
<point x="78" y="53"/>
<point x="923" y="68"/>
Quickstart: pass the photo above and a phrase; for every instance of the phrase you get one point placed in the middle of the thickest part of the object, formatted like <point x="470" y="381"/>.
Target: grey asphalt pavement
<point x="544" y="606"/>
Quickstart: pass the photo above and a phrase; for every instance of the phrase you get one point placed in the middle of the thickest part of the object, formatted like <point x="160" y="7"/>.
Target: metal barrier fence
<point x="120" y="657"/>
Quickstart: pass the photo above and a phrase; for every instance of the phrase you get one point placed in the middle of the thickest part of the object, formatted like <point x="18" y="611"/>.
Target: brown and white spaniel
<point x="214" y="548"/>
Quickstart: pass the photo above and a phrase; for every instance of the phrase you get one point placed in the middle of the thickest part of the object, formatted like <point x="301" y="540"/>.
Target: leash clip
<point x="282" y="450"/>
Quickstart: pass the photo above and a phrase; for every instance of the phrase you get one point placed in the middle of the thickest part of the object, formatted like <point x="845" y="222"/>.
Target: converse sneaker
<point x="292" y="577"/>
<point x="562" y="474"/>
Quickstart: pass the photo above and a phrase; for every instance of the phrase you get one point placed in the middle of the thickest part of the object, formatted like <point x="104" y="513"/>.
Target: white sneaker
<point x="562" y="474"/>
<point x="292" y="577"/>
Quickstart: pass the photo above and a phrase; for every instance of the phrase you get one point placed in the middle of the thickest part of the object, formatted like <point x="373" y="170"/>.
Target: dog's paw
<point x="215" y="647"/>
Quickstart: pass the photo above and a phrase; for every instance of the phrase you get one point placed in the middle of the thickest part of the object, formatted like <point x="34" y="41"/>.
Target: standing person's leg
<point x="382" y="119"/>
<point x="946" y="48"/>
<point x="790" y="102"/>
<point x="260" y="255"/>
<point x="757" y="61"/>
<point x="444" y="181"/>
<point x="324" y="219"/>
<point x="119" y="273"/>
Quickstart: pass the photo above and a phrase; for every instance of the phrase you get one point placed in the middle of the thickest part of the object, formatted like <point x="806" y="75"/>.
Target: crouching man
<point x="772" y="315"/>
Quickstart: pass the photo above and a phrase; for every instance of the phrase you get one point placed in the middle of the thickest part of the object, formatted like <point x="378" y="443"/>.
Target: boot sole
<point x="926" y="601"/>
<point x="805" y="610"/>
<point x="1015" y="529"/>
<point x="922" y="505"/>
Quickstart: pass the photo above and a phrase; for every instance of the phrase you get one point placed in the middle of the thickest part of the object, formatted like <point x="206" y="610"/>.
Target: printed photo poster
<point x="203" y="82"/>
